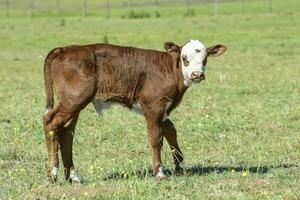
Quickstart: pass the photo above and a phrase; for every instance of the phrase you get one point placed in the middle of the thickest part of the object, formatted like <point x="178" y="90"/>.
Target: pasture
<point x="239" y="130"/>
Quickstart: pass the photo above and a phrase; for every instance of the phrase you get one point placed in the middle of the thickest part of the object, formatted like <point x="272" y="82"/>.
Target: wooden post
<point x="84" y="9"/>
<point x="59" y="12"/>
<point x="243" y="6"/>
<point x="187" y="5"/>
<point x="270" y="5"/>
<point x="31" y="8"/>
<point x="107" y="9"/>
<point x="7" y="8"/>
<point x="216" y="6"/>
<point x="157" y="2"/>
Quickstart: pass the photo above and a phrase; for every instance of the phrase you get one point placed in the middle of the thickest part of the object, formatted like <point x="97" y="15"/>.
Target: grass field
<point x="239" y="129"/>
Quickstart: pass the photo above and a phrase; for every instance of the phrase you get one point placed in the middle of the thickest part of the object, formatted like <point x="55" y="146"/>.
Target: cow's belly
<point x="101" y="105"/>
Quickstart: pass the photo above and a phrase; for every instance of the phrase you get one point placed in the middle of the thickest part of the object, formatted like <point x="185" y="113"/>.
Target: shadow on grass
<point x="196" y="170"/>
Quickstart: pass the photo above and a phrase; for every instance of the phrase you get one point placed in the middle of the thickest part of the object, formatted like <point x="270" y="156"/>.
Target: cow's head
<point x="194" y="58"/>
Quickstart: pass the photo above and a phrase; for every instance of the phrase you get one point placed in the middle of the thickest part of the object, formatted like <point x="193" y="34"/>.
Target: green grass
<point x="239" y="130"/>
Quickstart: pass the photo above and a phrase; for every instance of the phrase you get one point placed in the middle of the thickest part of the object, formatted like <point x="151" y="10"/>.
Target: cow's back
<point x="123" y="72"/>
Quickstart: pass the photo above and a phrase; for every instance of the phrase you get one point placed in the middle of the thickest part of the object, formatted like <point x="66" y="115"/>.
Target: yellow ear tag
<point x="51" y="133"/>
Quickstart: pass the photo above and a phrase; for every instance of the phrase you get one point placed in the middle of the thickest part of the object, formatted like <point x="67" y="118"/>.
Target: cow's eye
<point x="197" y="50"/>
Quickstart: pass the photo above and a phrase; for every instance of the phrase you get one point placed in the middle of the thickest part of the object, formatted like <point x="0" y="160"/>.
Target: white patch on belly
<point x="101" y="105"/>
<point x="137" y="108"/>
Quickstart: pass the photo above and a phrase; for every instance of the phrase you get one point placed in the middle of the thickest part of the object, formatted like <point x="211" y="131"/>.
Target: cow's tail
<point x="48" y="78"/>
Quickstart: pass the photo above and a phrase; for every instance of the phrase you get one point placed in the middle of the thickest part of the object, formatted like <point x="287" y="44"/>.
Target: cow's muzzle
<point x="197" y="77"/>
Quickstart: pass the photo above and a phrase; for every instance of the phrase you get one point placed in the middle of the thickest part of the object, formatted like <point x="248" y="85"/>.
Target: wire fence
<point x="31" y="8"/>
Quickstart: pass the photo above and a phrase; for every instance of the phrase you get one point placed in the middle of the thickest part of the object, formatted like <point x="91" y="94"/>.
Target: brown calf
<point x="150" y="82"/>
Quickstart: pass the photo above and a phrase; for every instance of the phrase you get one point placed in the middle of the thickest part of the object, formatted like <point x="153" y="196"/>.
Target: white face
<point x="193" y="58"/>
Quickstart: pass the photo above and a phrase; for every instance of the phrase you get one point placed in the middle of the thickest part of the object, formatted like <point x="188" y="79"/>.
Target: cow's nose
<point x="197" y="75"/>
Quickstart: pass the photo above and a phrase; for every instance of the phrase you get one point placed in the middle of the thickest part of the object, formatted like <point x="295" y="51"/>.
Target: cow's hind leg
<point x="74" y="76"/>
<point x="52" y="149"/>
<point x="66" y="144"/>
<point x="54" y="121"/>
<point x="59" y="117"/>
<point x="169" y="132"/>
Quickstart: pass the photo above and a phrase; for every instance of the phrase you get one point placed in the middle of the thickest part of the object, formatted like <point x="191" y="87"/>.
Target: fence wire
<point x="20" y="8"/>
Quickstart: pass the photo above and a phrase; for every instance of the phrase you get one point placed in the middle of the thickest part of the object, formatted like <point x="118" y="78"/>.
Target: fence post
<point x="59" y="12"/>
<point x="243" y="6"/>
<point x="84" y="9"/>
<point x="107" y="9"/>
<point x="31" y="8"/>
<point x="7" y="8"/>
<point x="187" y="5"/>
<point x="157" y="2"/>
<point x="270" y="5"/>
<point x="216" y="6"/>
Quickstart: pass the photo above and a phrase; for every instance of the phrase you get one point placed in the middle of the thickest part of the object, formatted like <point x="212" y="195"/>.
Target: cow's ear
<point x="216" y="50"/>
<point x="171" y="47"/>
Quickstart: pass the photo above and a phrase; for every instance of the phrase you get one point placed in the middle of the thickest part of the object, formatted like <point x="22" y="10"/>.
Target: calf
<point x="147" y="81"/>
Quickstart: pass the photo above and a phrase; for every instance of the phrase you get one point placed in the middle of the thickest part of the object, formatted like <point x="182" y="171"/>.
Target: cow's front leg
<point x="155" y="138"/>
<point x="169" y="132"/>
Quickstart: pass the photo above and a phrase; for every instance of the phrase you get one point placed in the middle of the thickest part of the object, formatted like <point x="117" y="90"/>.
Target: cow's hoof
<point x="178" y="171"/>
<point x="160" y="178"/>
<point x="160" y="174"/>
<point x="74" y="178"/>
<point x="52" y="180"/>
<point x="52" y="175"/>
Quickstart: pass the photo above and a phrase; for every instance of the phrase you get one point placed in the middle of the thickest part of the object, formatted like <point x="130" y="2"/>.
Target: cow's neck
<point x="182" y="87"/>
